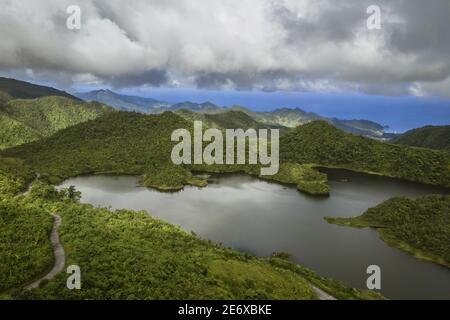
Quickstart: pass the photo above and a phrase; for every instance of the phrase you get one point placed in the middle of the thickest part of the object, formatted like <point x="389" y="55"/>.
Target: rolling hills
<point x="434" y="137"/>
<point x="134" y="143"/>
<point x="130" y="255"/>
<point x="322" y="144"/>
<point x="226" y="120"/>
<point x="119" y="142"/>
<point x="283" y="118"/>
<point x="26" y="120"/>
<point x="185" y="266"/>
<point x="122" y="102"/>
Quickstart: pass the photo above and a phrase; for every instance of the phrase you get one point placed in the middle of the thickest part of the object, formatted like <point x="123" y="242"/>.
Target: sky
<point x="321" y="48"/>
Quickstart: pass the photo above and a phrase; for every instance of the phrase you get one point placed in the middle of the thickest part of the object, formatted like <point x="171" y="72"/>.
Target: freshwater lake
<point x="260" y="217"/>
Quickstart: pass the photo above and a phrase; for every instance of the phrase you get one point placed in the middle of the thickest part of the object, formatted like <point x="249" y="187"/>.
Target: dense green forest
<point x="119" y="142"/>
<point x="137" y="256"/>
<point x="435" y="137"/>
<point x="130" y="255"/>
<point x="25" y="249"/>
<point x="137" y="144"/>
<point x="324" y="145"/>
<point x="133" y="143"/>
<point x="14" y="176"/>
<point x="23" y="121"/>
<point x="227" y="120"/>
<point x="420" y="227"/>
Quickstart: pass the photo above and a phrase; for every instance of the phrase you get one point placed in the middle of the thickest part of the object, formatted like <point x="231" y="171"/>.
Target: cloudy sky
<point x="291" y="45"/>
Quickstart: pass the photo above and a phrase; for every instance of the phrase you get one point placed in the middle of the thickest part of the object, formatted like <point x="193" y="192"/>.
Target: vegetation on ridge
<point x="130" y="255"/>
<point x="23" y="121"/>
<point x="434" y="137"/>
<point x="420" y="227"/>
<point x="319" y="143"/>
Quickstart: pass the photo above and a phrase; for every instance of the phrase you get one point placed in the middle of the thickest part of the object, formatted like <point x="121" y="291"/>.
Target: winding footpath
<point x="60" y="258"/>
<point x="322" y="295"/>
<point x="58" y="252"/>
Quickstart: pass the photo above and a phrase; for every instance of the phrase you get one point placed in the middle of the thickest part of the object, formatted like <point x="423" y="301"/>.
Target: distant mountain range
<point x="283" y="118"/>
<point x="122" y="102"/>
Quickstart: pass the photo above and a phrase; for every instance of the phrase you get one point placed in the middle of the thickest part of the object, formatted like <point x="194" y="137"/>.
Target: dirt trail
<point x="58" y="252"/>
<point x="322" y="295"/>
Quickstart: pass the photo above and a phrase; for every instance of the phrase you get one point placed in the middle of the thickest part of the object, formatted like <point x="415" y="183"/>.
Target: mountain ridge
<point x="120" y="101"/>
<point x="16" y="89"/>
<point x="282" y="117"/>
<point x="26" y="120"/>
<point x="434" y="137"/>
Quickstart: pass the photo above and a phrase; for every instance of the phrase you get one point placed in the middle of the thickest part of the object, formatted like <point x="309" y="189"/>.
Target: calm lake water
<point x="260" y="217"/>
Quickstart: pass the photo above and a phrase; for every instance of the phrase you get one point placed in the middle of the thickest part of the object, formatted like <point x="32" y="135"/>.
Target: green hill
<point x="229" y="119"/>
<point x="23" y="121"/>
<point x="15" y="175"/>
<point x="130" y="255"/>
<point x="119" y="142"/>
<point x="292" y="118"/>
<point x="133" y="143"/>
<point x="420" y="227"/>
<point x="15" y="89"/>
<point x="321" y="144"/>
<point x="434" y="137"/>
<point x="137" y="144"/>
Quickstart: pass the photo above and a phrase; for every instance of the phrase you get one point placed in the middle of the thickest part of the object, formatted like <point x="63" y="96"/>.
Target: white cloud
<point x="266" y="44"/>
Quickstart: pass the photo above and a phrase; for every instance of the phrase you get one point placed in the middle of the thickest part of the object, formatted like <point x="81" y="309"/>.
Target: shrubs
<point x="321" y="144"/>
<point x="420" y="227"/>
<point x="25" y="248"/>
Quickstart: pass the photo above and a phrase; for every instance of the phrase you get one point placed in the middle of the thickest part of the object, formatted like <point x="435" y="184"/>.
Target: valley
<point x="260" y="218"/>
<point x="54" y="140"/>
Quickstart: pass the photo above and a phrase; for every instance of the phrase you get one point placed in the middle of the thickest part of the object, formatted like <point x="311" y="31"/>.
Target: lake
<point x="260" y="217"/>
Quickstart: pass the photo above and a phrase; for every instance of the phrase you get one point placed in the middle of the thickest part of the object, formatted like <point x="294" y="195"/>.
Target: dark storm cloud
<point x="263" y="44"/>
<point x="154" y="78"/>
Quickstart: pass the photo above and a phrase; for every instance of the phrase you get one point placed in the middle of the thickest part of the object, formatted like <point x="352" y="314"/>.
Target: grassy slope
<point x="321" y="144"/>
<point x="14" y="176"/>
<point x="435" y="137"/>
<point x="119" y="142"/>
<point x="13" y="132"/>
<point x="420" y="227"/>
<point x="229" y="119"/>
<point x="23" y="121"/>
<point x="25" y="248"/>
<point x="132" y="143"/>
<point x="130" y="255"/>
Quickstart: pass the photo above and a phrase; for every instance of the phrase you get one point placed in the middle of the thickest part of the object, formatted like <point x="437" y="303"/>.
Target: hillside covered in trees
<point x="26" y="120"/>
<point x="434" y="137"/>
<point x="322" y="144"/>
<point x="130" y="255"/>
<point x="76" y="138"/>
<point x="420" y="227"/>
<point x="138" y="144"/>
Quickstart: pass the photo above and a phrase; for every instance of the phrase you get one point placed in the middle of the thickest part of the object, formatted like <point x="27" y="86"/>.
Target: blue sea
<point x="398" y="113"/>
